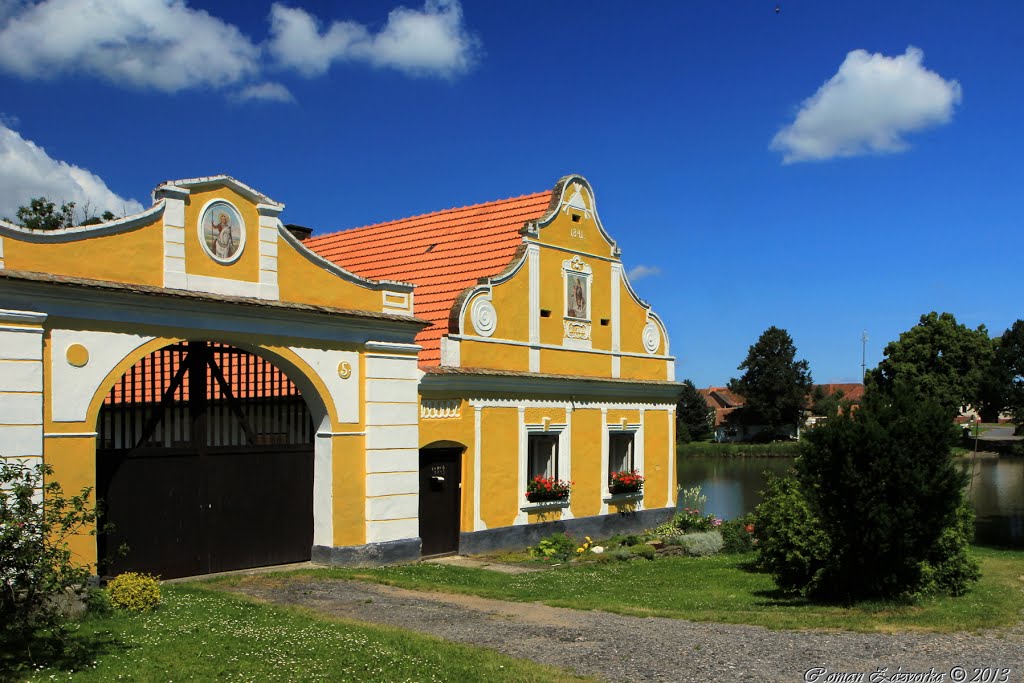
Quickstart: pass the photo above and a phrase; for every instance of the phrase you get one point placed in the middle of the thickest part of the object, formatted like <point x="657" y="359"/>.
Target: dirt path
<point x="619" y="648"/>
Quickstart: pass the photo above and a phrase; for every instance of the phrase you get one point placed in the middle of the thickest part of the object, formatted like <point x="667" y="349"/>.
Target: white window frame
<point x="564" y="464"/>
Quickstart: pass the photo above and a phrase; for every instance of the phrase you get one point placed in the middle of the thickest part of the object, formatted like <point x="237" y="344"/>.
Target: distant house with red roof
<point x="728" y="404"/>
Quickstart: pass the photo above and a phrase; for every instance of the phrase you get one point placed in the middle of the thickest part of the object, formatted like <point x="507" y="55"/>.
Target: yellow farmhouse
<point x="240" y="394"/>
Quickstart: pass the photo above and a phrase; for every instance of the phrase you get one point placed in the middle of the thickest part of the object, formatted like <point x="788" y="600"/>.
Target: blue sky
<point x="829" y="168"/>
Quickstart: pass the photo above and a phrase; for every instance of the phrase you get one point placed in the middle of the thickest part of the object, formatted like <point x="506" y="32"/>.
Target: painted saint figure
<point x="224" y="245"/>
<point x="577" y="298"/>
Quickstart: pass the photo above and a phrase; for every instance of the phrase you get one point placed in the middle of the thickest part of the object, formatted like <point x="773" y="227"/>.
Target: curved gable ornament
<point x="484" y="316"/>
<point x="652" y="338"/>
<point x="578" y="200"/>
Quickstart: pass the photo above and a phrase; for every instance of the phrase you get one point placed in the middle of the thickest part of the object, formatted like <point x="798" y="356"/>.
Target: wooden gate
<point x="440" y="499"/>
<point x="204" y="463"/>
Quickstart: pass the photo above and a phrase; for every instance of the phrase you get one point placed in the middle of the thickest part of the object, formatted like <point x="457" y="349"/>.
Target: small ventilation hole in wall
<point x="576" y="218"/>
<point x="605" y="321"/>
<point x="545" y="313"/>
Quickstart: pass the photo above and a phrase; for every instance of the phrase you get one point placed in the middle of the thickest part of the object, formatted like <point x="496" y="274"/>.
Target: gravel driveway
<point x="621" y="648"/>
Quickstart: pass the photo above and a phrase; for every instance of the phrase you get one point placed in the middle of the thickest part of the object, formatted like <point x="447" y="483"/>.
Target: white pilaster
<point x="269" y="226"/>
<point x="478" y="522"/>
<point x="392" y="443"/>
<point x="21" y="376"/>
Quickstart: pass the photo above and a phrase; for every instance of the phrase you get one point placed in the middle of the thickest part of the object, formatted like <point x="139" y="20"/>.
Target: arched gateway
<point x="231" y="397"/>
<point x="204" y="463"/>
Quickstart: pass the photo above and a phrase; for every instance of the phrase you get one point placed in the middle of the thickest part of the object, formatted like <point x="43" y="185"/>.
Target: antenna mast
<point x="863" y="354"/>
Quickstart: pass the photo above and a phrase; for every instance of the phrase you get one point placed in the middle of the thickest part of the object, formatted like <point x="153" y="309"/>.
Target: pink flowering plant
<point x="690" y="520"/>
<point x="543" y="488"/>
<point x="626" y="481"/>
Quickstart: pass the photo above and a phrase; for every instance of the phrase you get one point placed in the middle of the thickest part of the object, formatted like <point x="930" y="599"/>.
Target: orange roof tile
<point x="442" y="253"/>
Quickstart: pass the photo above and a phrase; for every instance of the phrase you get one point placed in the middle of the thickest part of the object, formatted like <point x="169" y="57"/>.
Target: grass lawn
<point x="199" y="634"/>
<point x="719" y="589"/>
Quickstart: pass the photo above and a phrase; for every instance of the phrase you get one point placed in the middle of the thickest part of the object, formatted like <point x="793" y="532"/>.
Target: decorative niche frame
<point x="577" y="285"/>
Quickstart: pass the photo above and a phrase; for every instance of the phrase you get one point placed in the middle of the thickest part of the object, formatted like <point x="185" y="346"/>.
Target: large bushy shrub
<point x="876" y="509"/>
<point x="791" y="543"/>
<point x="886" y="490"/>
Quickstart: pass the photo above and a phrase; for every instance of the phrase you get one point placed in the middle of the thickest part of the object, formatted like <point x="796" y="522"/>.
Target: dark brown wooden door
<point x="440" y="499"/>
<point x="204" y="464"/>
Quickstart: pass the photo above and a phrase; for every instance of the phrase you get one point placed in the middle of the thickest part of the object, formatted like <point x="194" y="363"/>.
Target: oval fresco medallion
<point x="222" y="231"/>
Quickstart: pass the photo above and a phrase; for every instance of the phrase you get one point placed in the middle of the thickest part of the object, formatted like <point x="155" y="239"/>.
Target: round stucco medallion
<point x="652" y="338"/>
<point x="485" y="318"/>
<point x="222" y="231"/>
<point x="77" y="355"/>
<point x="344" y="369"/>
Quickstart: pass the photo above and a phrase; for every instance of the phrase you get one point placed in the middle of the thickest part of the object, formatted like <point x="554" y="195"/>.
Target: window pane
<point x="620" y="453"/>
<point x="543" y="456"/>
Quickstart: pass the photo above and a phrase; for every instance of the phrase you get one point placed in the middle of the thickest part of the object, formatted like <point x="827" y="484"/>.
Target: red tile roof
<point x="442" y="253"/>
<point x="851" y="392"/>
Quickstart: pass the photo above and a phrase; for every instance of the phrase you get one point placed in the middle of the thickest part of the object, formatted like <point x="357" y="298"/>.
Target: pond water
<point x="733" y="487"/>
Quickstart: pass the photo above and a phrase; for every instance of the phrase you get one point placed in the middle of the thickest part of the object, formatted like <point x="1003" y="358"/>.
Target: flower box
<point x="626" y="481"/>
<point x="542" y="489"/>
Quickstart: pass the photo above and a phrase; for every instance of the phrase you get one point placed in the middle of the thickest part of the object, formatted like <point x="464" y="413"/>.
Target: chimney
<point x="300" y="232"/>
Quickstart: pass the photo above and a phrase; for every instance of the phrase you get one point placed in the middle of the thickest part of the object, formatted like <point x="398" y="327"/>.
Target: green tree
<point x="695" y="419"/>
<point x="1010" y="360"/>
<point x="41" y="214"/>
<point x="890" y="499"/>
<point x="774" y="385"/>
<point x="943" y="359"/>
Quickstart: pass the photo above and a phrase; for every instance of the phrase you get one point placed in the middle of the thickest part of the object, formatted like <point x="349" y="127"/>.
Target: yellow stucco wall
<point x="475" y="354"/>
<point x="535" y="416"/>
<point x="635" y="367"/>
<point x="349" y="463"/>
<point x="499" y="483"/>
<point x="301" y="281"/>
<point x="565" y="362"/>
<point x="657" y="471"/>
<point x="74" y="468"/>
<point x="133" y="256"/>
<point x="586" y="463"/>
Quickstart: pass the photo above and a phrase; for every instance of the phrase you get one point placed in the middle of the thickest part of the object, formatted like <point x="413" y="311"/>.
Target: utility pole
<point x="863" y="355"/>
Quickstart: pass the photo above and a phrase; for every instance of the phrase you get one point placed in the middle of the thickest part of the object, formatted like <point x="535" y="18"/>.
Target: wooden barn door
<point x="204" y="464"/>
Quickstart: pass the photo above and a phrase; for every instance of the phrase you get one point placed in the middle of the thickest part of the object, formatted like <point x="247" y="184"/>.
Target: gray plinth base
<point x="598" y="526"/>
<point x="369" y="555"/>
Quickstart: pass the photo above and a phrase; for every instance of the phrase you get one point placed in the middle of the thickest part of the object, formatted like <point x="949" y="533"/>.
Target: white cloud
<point x="868" y="106"/>
<point x="27" y="171"/>
<point x="429" y="42"/>
<point x="642" y="271"/>
<point x="149" y="44"/>
<point x="268" y="92"/>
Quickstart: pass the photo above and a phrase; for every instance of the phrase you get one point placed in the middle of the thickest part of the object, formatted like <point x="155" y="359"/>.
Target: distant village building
<point x="239" y="394"/>
<point x="728" y="405"/>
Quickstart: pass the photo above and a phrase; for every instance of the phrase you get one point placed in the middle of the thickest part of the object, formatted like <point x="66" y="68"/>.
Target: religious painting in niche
<point x="222" y="231"/>
<point x="576" y="296"/>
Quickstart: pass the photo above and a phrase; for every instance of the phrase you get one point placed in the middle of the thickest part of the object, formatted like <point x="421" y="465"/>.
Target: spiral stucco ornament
<point x="652" y="338"/>
<point x="485" y="318"/>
